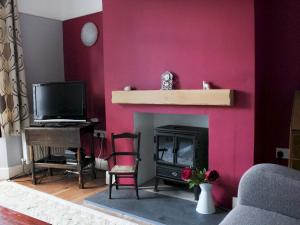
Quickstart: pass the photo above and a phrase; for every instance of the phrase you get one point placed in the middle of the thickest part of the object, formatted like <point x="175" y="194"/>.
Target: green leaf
<point x="191" y="185"/>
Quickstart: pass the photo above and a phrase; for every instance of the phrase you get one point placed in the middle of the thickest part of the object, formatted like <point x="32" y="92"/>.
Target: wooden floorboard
<point x="66" y="186"/>
<point x="10" y="217"/>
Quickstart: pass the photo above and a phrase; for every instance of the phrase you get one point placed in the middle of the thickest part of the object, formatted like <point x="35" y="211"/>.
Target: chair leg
<point x="110" y="185"/>
<point x="117" y="182"/>
<point x="136" y="188"/>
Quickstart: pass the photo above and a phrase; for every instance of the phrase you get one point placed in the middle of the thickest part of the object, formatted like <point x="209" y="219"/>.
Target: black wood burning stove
<point x="177" y="147"/>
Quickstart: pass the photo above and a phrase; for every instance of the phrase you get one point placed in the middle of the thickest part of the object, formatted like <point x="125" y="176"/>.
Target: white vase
<point x="205" y="203"/>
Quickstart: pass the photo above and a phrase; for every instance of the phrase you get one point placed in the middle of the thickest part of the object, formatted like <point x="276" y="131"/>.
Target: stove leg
<point x="156" y="184"/>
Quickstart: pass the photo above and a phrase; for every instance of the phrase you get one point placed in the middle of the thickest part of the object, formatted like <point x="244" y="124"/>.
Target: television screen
<point x="57" y="102"/>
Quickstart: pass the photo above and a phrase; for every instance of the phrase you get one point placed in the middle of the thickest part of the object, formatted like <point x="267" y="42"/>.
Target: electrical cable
<point x="101" y="140"/>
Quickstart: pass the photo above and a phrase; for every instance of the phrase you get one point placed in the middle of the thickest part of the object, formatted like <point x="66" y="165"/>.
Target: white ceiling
<point x="60" y="9"/>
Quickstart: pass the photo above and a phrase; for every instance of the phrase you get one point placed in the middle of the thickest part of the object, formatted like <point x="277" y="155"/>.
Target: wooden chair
<point x="124" y="171"/>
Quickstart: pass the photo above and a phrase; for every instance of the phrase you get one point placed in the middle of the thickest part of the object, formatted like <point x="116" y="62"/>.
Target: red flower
<point x="211" y="175"/>
<point x="186" y="173"/>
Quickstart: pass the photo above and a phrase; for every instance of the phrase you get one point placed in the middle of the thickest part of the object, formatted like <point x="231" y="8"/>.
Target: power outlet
<point x="282" y="153"/>
<point x="100" y="133"/>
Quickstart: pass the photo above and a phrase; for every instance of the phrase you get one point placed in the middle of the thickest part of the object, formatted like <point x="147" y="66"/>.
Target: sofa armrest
<point x="271" y="187"/>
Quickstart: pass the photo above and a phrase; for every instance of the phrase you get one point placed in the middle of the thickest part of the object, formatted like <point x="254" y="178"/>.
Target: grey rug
<point x="153" y="207"/>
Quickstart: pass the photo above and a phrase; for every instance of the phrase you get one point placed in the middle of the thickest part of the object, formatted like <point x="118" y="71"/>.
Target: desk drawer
<point x="53" y="137"/>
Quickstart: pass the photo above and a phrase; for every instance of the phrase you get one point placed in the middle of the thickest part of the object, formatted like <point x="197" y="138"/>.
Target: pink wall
<point x="86" y="63"/>
<point x="197" y="40"/>
<point x="277" y="74"/>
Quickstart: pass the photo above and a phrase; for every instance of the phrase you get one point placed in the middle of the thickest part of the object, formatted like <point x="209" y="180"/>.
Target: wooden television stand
<point x="63" y="137"/>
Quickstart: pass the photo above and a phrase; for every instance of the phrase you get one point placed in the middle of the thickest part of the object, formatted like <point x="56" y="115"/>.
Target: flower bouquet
<point x="197" y="177"/>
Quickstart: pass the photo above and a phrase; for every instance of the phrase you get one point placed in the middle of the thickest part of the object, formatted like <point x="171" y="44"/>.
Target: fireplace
<point x="177" y="147"/>
<point x="150" y="125"/>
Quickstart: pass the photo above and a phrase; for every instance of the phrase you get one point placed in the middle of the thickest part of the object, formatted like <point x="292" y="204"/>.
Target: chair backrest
<point x="135" y="151"/>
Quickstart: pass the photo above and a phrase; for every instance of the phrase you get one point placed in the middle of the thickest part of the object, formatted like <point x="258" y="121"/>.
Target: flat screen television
<point x="59" y="102"/>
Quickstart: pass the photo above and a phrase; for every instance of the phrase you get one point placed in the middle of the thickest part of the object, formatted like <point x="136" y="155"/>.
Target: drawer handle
<point x="174" y="174"/>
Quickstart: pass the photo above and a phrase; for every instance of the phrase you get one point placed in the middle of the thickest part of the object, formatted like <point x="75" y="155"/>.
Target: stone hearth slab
<point x="154" y="208"/>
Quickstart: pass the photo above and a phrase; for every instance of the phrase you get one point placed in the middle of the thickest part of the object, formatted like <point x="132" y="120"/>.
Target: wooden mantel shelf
<point x="215" y="97"/>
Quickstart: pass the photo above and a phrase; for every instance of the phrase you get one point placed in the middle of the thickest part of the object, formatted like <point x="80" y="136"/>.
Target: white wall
<point x="42" y="41"/>
<point x="60" y="9"/>
<point x="143" y="122"/>
<point x="10" y="157"/>
<point x="3" y="154"/>
<point x="184" y="120"/>
<point x="14" y="150"/>
<point x="146" y="123"/>
<point x="78" y="8"/>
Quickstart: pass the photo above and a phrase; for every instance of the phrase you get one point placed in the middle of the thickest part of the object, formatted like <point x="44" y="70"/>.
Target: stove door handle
<point x="175" y="174"/>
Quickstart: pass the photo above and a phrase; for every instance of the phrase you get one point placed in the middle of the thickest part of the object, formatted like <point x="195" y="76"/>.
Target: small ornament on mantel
<point x="127" y="88"/>
<point x="167" y="81"/>
<point x="206" y="85"/>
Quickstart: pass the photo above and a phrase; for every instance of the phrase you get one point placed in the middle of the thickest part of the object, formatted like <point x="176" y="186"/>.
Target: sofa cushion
<point x="271" y="187"/>
<point x="248" y="215"/>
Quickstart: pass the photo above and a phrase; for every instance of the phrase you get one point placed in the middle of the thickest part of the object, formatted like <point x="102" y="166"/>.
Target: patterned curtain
<point x="14" y="113"/>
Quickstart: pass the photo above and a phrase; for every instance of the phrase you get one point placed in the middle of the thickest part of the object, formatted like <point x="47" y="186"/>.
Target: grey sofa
<point x="268" y="194"/>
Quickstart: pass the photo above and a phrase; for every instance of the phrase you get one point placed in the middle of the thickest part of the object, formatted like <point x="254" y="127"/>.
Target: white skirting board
<point x="6" y="173"/>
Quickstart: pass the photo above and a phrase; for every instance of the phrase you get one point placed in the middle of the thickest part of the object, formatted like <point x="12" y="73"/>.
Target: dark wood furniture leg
<point x="49" y="155"/>
<point x="32" y="164"/>
<point x="136" y="187"/>
<point x="110" y="185"/>
<point x="80" y="177"/>
<point x="117" y="182"/>
<point x="93" y="156"/>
